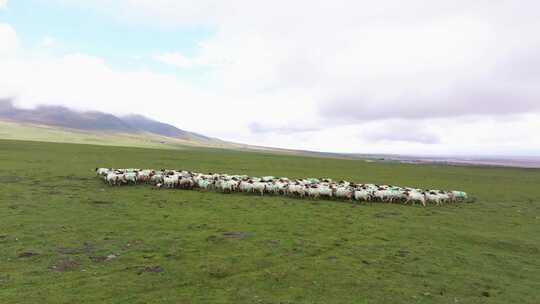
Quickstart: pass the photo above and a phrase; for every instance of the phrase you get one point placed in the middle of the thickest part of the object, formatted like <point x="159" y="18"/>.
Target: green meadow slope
<point x="43" y="133"/>
<point x="11" y="130"/>
<point x="65" y="237"/>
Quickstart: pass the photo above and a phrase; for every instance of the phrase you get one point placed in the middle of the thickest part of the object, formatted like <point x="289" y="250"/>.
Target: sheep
<point x="436" y="197"/>
<point x="296" y="190"/>
<point x="362" y="195"/>
<point x="245" y="186"/>
<point x="259" y="187"/>
<point x="131" y="177"/>
<point x="156" y="179"/>
<point x="311" y="187"/>
<point x="343" y="192"/>
<point x="102" y="171"/>
<point x="144" y="176"/>
<point x="170" y="181"/>
<point x="276" y="187"/>
<point x="380" y="195"/>
<point x="186" y="183"/>
<point x="203" y="183"/>
<point x="112" y="178"/>
<point x="325" y="191"/>
<point x="459" y="196"/>
<point x="415" y="196"/>
<point x="228" y="186"/>
<point x="313" y="192"/>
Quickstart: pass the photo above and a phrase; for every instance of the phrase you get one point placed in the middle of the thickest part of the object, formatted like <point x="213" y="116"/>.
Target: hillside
<point x="63" y="125"/>
<point x="46" y="133"/>
<point x="60" y="124"/>
<point x="93" y="121"/>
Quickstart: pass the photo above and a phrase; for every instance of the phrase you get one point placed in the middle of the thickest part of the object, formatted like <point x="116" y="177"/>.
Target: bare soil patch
<point x="152" y="269"/>
<point x="86" y="248"/>
<point x="100" y="203"/>
<point x="7" y="179"/>
<point x="103" y="258"/>
<point x="27" y="254"/>
<point x="132" y="243"/>
<point x="236" y="235"/>
<point x="65" y="264"/>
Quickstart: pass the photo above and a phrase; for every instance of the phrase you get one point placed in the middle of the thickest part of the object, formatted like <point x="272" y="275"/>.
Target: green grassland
<point x="43" y="133"/>
<point x="59" y="223"/>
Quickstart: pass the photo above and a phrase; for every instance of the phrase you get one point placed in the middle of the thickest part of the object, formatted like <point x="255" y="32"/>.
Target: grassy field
<point x="65" y="237"/>
<point x="32" y="132"/>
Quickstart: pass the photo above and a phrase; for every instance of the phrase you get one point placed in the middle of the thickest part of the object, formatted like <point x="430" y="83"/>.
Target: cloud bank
<point x="345" y="76"/>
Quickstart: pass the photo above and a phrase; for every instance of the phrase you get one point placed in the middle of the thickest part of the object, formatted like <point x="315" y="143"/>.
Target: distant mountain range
<point x="93" y="121"/>
<point x="61" y="124"/>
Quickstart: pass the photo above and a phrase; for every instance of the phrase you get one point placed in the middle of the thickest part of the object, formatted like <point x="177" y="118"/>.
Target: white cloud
<point x="48" y="42"/>
<point x="9" y="41"/>
<point x="392" y="132"/>
<point x="325" y="75"/>
<point x="365" y="57"/>
<point x="3" y="3"/>
<point x="175" y="59"/>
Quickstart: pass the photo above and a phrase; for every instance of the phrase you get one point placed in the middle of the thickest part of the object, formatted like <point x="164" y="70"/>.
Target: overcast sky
<point x="387" y="76"/>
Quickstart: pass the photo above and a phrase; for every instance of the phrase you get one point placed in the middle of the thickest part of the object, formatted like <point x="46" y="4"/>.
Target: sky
<point x="418" y="77"/>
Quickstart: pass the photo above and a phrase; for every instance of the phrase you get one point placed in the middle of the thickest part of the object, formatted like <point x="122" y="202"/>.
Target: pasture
<point x="66" y="237"/>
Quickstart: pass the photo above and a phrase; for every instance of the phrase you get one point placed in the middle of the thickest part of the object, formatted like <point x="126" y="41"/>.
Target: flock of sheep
<point x="309" y="187"/>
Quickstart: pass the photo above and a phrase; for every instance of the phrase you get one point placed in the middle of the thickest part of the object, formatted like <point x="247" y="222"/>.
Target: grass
<point x="65" y="237"/>
<point x="32" y="132"/>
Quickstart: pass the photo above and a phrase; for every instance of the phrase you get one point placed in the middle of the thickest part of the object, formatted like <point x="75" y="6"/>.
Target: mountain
<point x="140" y="122"/>
<point x="61" y="124"/>
<point x="93" y="121"/>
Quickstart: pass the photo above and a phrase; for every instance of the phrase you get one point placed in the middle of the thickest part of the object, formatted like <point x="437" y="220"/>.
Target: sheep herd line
<point x="313" y="188"/>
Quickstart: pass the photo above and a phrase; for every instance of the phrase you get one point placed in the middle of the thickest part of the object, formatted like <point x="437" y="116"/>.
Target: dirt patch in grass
<point x="65" y="264"/>
<point x="132" y="243"/>
<point x="236" y="235"/>
<point x="218" y="271"/>
<point x="98" y="259"/>
<point x="100" y="203"/>
<point x="228" y="235"/>
<point x="9" y="179"/>
<point x="213" y="238"/>
<point x="402" y="253"/>
<point x="273" y="243"/>
<point x="387" y="214"/>
<point x="152" y="269"/>
<point x="85" y="248"/>
<point x="4" y="279"/>
<point x="27" y="254"/>
<point x="103" y="258"/>
<point x="198" y="226"/>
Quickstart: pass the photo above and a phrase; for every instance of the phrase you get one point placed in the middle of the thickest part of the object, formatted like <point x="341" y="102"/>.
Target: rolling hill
<point x="64" y="125"/>
<point x="93" y="121"/>
<point x="61" y="124"/>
